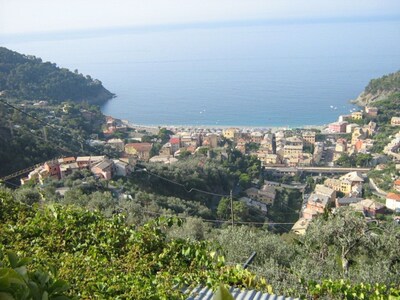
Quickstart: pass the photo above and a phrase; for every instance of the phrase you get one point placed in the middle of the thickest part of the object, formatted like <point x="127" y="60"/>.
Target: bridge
<point x="319" y="170"/>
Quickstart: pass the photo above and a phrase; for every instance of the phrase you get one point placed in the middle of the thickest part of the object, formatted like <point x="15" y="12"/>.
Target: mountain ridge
<point x="27" y="77"/>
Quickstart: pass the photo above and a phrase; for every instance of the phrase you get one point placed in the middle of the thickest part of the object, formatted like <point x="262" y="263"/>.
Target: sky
<point x="38" y="16"/>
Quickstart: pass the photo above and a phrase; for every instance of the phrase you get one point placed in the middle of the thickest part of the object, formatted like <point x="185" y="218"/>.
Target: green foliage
<point x="24" y="143"/>
<point x="340" y="256"/>
<point x="164" y="135"/>
<point x="347" y="290"/>
<point x="244" y="180"/>
<point x="16" y="282"/>
<point x="28" y="196"/>
<point x="354" y="160"/>
<point x="105" y="258"/>
<point x="28" y="78"/>
<point x="387" y="83"/>
<point x="240" y="210"/>
<point x="252" y="147"/>
<point x="222" y="293"/>
<point x="384" y="178"/>
<point x="308" y="148"/>
<point x="285" y="209"/>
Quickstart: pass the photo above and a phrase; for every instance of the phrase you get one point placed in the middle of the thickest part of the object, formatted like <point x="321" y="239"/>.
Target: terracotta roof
<point x="140" y="147"/>
<point x="397" y="182"/>
<point x="174" y="140"/>
<point x="393" y="196"/>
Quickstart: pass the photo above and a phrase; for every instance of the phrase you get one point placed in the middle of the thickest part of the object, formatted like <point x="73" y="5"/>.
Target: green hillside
<point x="379" y="89"/>
<point x="27" y="77"/>
<point x="387" y="83"/>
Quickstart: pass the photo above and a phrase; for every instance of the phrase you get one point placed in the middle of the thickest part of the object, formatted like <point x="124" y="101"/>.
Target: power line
<point x="144" y="169"/>
<point x="46" y="123"/>
<point x="206" y="192"/>
<point x="43" y="139"/>
<point x="182" y="185"/>
<point x="10" y="183"/>
<point x="216" y="220"/>
<point x="25" y="113"/>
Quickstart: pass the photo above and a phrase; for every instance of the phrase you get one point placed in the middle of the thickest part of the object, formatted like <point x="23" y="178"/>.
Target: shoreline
<point x="222" y="127"/>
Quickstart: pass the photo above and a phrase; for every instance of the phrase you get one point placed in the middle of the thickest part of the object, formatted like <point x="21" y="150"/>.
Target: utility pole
<point x="232" y="218"/>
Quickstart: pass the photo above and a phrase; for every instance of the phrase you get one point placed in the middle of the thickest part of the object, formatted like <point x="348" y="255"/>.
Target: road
<point x="318" y="169"/>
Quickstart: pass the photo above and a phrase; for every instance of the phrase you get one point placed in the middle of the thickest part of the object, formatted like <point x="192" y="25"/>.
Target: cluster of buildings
<point x="393" y="147"/>
<point x="278" y="149"/>
<point x="100" y="166"/>
<point x="260" y="198"/>
<point x="344" y="123"/>
<point x="361" y="141"/>
<point x="349" y="184"/>
<point x="274" y="149"/>
<point x="324" y="197"/>
<point x="113" y="125"/>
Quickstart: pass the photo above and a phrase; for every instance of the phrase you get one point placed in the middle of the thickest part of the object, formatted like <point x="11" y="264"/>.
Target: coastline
<point x="221" y="127"/>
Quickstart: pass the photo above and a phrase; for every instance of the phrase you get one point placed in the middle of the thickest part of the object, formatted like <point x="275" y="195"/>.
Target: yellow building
<point x="395" y="121"/>
<point x="290" y="151"/>
<point x="357" y="115"/>
<point x="345" y="186"/>
<point x="338" y="185"/>
<point x="345" y="183"/>
<point x="309" y="137"/>
<point x="231" y="133"/>
<point x="271" y="159"/>
<point x="141" y="150"/>
<point x="300" y="226"/>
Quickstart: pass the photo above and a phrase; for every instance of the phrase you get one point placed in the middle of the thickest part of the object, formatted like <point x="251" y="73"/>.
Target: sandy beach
<point x="155" y="128"/>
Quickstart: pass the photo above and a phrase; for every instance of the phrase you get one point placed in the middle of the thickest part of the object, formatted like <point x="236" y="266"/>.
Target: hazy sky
<point x="27" y="16"/>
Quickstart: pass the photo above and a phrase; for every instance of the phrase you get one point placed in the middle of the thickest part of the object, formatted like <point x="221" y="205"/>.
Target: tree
<point x="244" y="180"/>
<point x="346" y="160"/>
<point x="28" y="196"/>
<point x="224" y="211"/>
<point x="344" y="235"/>
<point x="224" y="208"/>
<point x="363" y="160"/>
<point x="164" y="134"/>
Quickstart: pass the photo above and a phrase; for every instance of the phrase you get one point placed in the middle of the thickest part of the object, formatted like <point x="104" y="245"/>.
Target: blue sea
<point x="257" y="74"/>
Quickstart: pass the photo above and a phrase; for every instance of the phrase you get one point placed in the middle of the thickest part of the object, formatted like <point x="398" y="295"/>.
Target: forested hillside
<point x="25" y="141"/>
<point x="27" y="77"/>
<point x="390" y="82"/>
<point x="380" y="89"/>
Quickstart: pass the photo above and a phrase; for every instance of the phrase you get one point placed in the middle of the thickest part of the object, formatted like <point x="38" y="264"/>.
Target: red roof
<point x="397" y="182"/>
<point x="393" y="196"/>
<point x="175" y="140"/>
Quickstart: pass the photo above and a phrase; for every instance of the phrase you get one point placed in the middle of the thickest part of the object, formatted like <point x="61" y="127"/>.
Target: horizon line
<point x="152" y="28"/>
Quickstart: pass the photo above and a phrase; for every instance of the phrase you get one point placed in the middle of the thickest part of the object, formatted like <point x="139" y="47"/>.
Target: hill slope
<point x="379" y="89"/>
<point x="27" y="77"/>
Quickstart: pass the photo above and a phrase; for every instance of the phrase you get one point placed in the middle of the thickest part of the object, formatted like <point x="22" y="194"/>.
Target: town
<point x="337" y="158"/>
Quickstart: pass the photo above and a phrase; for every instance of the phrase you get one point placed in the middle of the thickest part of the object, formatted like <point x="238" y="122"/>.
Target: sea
<point x="255" y="74"/>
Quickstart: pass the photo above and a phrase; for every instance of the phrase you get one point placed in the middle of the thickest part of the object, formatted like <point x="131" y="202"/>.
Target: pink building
<point x="338" y="127"/>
